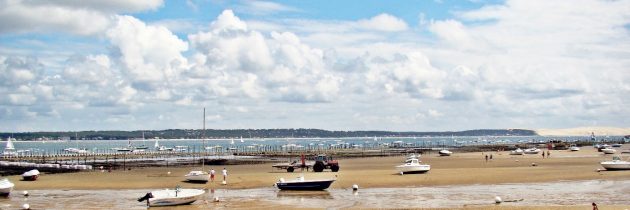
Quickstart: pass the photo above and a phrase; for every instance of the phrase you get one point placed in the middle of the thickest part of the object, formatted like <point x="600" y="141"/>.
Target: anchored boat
<point x="5" y="187"/>
<point x="301" y="184"/>
<point x="172" y="197"/>
<point x="30" y="175"/>
<point x="413" y="165"/>
<point x="616" y="164"/>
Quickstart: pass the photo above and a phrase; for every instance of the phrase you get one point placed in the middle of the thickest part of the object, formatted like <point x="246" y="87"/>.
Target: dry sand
<point x="459" y="169"/>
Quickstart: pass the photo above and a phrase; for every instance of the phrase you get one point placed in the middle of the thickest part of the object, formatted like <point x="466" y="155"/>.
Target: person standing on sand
<point x="548" y="154"/>
<point x="490" y="156"/>
<point x="224" y="174"/>
<point x="212" y="175"/>
<point x="486" y="158"/>
<point x="595" y="206"/>
<point x="543" y="154"/>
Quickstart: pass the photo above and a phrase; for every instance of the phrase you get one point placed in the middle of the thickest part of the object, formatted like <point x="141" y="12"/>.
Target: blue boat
<point x="301" y="184"/>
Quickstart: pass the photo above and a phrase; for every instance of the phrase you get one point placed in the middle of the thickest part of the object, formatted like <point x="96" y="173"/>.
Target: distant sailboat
<point x="9" y="149"/>
<point x="242" y="139"/>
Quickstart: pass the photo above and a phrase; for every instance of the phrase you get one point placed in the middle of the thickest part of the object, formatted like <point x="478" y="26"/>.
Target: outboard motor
<point x="146" y="197"/>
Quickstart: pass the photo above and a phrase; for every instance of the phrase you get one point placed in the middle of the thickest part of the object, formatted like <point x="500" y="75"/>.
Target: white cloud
<point x="257" y="7"/>
<point x="74" y="16"/>
<point x="150" y="55"/>
<point x="384" y="22"/>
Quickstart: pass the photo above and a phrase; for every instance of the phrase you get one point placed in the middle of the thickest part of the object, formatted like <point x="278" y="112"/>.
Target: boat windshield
<point x="411" y="161"/>
<point x="616" y="158"/>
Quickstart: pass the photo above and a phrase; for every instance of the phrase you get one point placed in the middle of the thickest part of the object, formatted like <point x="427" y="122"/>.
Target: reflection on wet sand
<point x="610" y="192"/>
<point x="304" y="194"/>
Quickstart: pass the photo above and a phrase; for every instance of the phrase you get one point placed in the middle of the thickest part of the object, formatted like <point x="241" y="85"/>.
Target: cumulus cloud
<point x="150" y="55"/>
<point x="384" y="22"/>
<point x="279" y="63"/>
<point x="75" y="16"/>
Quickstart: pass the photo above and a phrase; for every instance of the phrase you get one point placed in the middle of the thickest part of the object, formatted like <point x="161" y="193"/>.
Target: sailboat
<point x="143" y="146"/>
<point x="196" y="175"/>
<point x="232" y="147"/>
<point x="9" y="149"/>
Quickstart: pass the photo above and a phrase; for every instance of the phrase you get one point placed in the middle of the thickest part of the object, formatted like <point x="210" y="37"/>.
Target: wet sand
<point x="373" y="172"/>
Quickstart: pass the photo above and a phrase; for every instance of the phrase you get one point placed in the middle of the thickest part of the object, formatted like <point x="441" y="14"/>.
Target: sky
<point x="430" y="65"/>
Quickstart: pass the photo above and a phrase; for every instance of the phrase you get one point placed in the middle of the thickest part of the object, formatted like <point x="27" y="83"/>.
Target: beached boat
<point x="445" y="152"/>
<point x="5" y="187"/>
<point x="172" y="197"/>
<point x="517" y="151"/>
<point x="197" y="176"/>
<point x="616" y="164"/>
<point x="608" y="151"/>
<point x="200" y="176"/>
<point x="531" y="151"/>
<point x="413" y="165"/>
<point x="30" y="175"/>
<point x="574" y="148"/>
<point x="301" y="184"/>
<point x="617" y="145"/>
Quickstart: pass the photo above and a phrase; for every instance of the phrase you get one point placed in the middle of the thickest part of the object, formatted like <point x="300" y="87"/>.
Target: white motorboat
<point x="608" y="151"/>
<point x="574" y="148"/>
<point x="445" y="152"/>
<point x="30" y="175"/>
<point x="301" y="184"/>
<point x="172" y="197"/>
<point x="197" y="176"/>
<point x="5" y="187"/>
<point x="517" y="151"/>
<point x="413" y="165"/>
<point x="531" y="151"/>
<point x="616" y="164"/>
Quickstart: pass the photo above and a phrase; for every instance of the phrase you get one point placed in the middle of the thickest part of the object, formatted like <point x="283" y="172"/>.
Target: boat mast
<point x="203" y="140"/>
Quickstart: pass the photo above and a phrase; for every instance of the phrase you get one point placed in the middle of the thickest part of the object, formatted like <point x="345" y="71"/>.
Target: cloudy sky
<point x="352" y="65"/>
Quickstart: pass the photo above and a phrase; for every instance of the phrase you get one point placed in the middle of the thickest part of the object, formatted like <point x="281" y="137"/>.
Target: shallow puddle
<point x="605" y="192"/>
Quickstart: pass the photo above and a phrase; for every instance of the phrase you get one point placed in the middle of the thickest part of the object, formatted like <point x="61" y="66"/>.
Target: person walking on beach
<point x="486" y="158"/>
<point x="490" y="156"/>
<point x="543" y="154"/>
<point x="224" y="175"/>
<point x="212" y="175"/>
<point x="548" y="154"/>
<point x="595" y="206"/>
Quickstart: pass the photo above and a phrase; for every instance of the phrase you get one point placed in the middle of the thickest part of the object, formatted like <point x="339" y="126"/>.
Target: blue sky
<point x="349" y="65"/>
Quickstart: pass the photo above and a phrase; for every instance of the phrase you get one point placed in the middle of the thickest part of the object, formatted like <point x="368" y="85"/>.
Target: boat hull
<point x="5" y="187"/>
<point x="612" y="166"/>
<point x="30" y="178"/>
<point x="413" y="169"/>
<point x="306" y="185"/>
<point x="4" y="192"/>
<point x="168" y="198"/>
<point x="608" y="151"/>
<point x="198" y="178"/>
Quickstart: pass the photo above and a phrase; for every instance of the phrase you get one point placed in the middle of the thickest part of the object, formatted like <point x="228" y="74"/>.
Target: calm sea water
<point x="276" y="144"/>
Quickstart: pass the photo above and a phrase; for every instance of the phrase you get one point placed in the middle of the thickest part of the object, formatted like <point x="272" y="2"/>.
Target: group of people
<point x="224" y="172"/>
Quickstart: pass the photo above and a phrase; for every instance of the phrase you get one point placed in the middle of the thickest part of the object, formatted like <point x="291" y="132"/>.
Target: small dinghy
<point x="197" y="176"/>
<point x="531" y="151"/>
<point x="445" y="153"/>
<point x="172" y="197"/>
<point x="30" y="175"/>
<point x="5" y="187"/>
<point x="517" y="151"/>
<point x="301" y="184"/>
<point x="608" y="151"/>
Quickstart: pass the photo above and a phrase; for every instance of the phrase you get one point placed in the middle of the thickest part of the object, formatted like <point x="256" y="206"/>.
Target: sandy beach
<point x="372" y="172"/>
